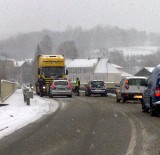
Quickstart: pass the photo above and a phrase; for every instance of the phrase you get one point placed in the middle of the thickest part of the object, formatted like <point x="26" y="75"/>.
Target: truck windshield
<point x="53" y="71"/>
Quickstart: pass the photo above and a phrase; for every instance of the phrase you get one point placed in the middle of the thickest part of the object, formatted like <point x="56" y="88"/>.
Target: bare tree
<point x="68" y="49"/>
<point x="46" y="45"/>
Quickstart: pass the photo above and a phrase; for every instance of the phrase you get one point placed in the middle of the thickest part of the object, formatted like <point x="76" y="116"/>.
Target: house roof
<point x="150" y="69"/>
<point x="67" y="61"/>
<point x="119" y="67"/>
<point x="124" y="74"/>
<point x="2" y="58"/>
<point x="104" y="67"/>
<point x="19" y="63"/>
<point x="83" y="63"/>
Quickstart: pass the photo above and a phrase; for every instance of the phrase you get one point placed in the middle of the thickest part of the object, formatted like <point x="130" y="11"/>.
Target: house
<point x="82" y="68"/>
<point x="146" y="71"/>
<point x="93" y="69"/>
<point x="22" y="72"/>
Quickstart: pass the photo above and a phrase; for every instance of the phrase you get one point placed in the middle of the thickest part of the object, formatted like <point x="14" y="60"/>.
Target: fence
<point x="7" y="89"/>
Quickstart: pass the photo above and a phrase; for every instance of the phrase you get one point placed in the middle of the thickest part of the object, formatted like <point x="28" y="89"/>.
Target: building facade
<point x="93" y="69"/>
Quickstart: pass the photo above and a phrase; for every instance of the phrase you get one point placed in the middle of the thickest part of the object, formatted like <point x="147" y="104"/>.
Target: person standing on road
<point x="41" y="83"/>
<point x="77" y="86"/>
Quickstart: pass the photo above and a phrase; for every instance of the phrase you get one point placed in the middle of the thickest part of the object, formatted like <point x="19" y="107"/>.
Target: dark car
<point x="151" y="95"/>
<point x="96" y="87"/>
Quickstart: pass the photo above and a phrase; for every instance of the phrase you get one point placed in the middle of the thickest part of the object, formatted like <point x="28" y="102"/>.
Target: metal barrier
<point x="27" y="95"/>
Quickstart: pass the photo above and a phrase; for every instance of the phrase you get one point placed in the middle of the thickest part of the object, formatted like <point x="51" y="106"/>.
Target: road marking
<point x="133" y="140"/>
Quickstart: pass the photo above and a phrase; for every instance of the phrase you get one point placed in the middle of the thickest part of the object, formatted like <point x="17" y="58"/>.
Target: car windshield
<point x="61" y="83"/>
<point x="136" y="81"/>
<point x="97" y="83"/>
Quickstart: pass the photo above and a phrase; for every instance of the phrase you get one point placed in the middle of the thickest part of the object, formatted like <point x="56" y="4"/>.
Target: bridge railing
<point x="7" y="89"/>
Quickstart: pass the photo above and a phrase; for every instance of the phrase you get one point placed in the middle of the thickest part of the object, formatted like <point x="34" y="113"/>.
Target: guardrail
<point x="7" y="89"/>
<point x="27" y="93"/>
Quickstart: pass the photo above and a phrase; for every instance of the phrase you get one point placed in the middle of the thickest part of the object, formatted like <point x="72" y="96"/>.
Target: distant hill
<point x="23" y="46"/>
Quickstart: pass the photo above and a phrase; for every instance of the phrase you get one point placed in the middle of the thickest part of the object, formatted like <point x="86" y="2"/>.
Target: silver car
<point x="61" y="88"/>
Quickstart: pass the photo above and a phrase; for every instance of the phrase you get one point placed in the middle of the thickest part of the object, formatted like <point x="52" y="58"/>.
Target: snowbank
<point x="16" y="114"/>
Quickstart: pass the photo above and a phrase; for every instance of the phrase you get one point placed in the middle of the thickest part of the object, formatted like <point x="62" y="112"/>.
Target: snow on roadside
<point x="17" y="114"/>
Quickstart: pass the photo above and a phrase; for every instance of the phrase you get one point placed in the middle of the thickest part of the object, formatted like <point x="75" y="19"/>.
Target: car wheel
<point x="152" y="111"/>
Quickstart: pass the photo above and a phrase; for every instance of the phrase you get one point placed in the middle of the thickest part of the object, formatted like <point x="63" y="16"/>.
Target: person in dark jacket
<point x="41" y="83"/>
<point x="77" y="86"/>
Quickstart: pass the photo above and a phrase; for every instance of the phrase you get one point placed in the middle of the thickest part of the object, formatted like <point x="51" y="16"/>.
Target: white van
<point x="130" y="88"/>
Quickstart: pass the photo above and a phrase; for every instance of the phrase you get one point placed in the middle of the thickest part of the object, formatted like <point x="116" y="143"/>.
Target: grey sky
<point x="18" y="16"/>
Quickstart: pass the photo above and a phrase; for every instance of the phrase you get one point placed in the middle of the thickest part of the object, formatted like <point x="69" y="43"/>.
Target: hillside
<point x="24" y="45"/>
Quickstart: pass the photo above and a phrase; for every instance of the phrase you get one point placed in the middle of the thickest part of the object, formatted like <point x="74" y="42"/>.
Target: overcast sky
<point x="18" y="16"/>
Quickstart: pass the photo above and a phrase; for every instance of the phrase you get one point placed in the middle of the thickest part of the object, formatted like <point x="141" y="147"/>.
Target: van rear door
<point x="134" y="85"/>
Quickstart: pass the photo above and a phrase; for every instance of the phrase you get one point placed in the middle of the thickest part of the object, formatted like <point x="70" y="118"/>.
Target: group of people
<point x="41" y="83"/>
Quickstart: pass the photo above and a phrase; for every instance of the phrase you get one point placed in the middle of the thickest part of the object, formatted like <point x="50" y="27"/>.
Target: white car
<point x="61" y="88"/>
<point x="130" y="88"/>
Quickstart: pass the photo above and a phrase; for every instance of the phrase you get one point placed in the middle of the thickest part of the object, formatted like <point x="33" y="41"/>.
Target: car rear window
<point x="136" y="81"/>
<point x="61" y="83"/>
<point x="95" y="83"/>
<point x="158" y="82"/>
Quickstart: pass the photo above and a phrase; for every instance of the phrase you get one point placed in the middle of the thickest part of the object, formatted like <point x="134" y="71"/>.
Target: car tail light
<point x="52" y="86"/>
<point x="126" y="84"/>
<point x="157" y="92"/>
<point x="69" y="86"/>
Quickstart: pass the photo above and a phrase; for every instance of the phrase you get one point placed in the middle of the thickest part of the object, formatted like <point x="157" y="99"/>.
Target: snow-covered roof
<point x="82" y="63"/>
<point x="136" y="77"/>
<point x="2" y="58"/>
<point x="19" y="63"/>
<point x="104" y="67"/>
<point x="150" y="69"/>
<point x="125" y="74"/>
<point x="119" y="67"/>
<point x="67" y="61"/>
<point x="29" y="61"/>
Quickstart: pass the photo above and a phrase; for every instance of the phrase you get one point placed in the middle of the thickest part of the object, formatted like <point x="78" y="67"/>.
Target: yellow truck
<point x="50" y="67"/>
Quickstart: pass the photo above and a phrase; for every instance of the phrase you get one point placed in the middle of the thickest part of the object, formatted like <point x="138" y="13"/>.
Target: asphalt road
<point x="88" y="126"/>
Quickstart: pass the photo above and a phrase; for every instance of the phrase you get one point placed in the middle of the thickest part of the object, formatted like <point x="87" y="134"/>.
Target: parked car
<point x="60" y="88"/>
<point x="151" y="95"/>
<point x="130" y="88"/>
<point x="95" y="87"/>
